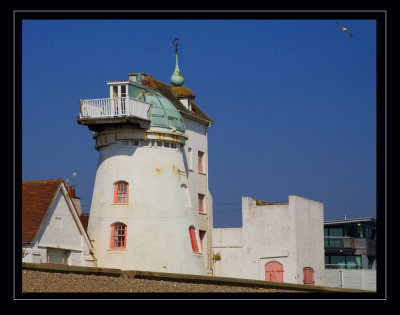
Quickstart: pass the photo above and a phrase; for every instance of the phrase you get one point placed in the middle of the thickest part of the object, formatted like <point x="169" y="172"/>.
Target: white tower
<point x="141" y="216"/>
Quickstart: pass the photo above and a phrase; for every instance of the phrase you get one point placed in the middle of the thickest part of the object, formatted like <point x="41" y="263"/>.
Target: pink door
<point x="308" y="275"/>
<point x="274" y="271"/>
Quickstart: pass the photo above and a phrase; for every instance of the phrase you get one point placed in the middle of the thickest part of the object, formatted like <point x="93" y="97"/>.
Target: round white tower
<point x="141" y="217"/>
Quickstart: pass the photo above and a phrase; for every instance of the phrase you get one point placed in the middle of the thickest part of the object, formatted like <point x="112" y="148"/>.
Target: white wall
<point x="198" y="182"/>
<point x="291" y="234"/>
<point x="157" y="215"/>
<point x="364" y="279"/>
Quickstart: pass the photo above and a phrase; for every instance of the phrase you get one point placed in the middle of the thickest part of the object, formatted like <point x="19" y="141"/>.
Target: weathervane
<point x="175" y="42"/>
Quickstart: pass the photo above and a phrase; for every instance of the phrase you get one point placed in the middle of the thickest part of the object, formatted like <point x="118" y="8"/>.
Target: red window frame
<point x="118" y="235"/>
<point x="308" y="275"/>
<point x="121" y="192"/>
<point x="193" y="240"/>
<point x="201" y="203"/>
<point x="201" y="161"/>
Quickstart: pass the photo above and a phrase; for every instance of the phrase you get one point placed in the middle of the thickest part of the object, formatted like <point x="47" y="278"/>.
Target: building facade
<point x="144" y="213"/>
<point x="350" y="243"/>
<point x="280" y="242"/>
<point x="51" y="229"/>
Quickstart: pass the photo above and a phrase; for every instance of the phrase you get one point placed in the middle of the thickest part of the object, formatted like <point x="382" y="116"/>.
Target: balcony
<point x="343" y="266"/>
<point x="114" y="107"/>
<point x="338" y="242"/>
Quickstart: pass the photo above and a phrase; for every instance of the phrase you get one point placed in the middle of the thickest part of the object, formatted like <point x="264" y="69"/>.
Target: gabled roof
<point x="37" y="197"/>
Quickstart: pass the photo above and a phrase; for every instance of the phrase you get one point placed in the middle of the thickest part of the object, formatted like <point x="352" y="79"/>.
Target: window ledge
<point x="197" y="254"/>
<point x="120" y="204"/>
<point x="202" y="213"/>
<point x="202" y="173"/>
<point x="116" y="250"/>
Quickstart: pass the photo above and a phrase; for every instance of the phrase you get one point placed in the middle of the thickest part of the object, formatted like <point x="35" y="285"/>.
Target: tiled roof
<point x="36" y="199"/>
<point x="182" y="91"/>
<point x="84" y="217"/>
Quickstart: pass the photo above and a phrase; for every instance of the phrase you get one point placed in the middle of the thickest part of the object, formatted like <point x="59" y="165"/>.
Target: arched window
<point x="121" y="192"/>
<point x="308" y="275"/>
<point x="193" y="240"/>
<point x="118" y="235"/>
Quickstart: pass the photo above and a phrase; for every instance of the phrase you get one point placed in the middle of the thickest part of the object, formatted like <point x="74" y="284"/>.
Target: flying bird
<point x="344" y="29"/>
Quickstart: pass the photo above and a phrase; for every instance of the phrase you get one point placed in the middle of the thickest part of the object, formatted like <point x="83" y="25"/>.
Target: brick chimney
<point x="76" y="200"/>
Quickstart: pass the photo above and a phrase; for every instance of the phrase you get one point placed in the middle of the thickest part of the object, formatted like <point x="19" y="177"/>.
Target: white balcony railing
<point x="114" y="107"/>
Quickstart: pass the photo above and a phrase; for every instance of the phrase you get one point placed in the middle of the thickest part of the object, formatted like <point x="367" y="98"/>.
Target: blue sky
<point x="293" y="101"/>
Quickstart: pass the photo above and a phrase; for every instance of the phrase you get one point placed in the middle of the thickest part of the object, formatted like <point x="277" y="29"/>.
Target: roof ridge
<point x="42" y="181"/>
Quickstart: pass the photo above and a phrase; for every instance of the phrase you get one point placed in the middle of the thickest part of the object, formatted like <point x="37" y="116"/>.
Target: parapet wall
<point x="195" y="279"/>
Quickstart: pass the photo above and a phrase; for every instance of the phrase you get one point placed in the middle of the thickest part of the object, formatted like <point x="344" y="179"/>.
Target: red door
<point x="274" y="271"/>
<point x="308" y="275"/>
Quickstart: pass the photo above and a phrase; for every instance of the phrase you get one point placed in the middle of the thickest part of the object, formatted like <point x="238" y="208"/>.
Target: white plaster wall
<point x="291" y="234"/>
<point x="228" y="243"/>
<point x="309" y="237"/>
<point x="198" y="182"/>
<point x="157" y="216"/>
<point x="269" y="233"/>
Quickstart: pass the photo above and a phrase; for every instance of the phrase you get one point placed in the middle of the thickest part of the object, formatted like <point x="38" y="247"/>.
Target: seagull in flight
<point x="344" y="29"/>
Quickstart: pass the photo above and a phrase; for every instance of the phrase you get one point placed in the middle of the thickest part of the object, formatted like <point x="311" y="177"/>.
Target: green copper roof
<point x="163" y="113"/>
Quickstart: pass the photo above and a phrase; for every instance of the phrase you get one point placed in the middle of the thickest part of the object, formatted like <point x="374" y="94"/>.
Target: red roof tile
<point x="36" y="199"/>
<point x="84" y="217"/>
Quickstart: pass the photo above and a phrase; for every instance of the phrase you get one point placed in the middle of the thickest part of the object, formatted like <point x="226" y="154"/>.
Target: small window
<point x="202" y="234"/>
<point x="193" y="240"/>
<point x="146" y="143"/>
<point x="58" y="222"/>
<point x="124" y="143"/>
<point x="173" y="145"/>
<point x="159" y="144"/>
<point x="118" y="236"/>
<point x="121" y="192"/>
<point x="190" y="159"/>
<point x="201" y="203"/>
<point x="201" y="162"/>
<point x="166" y="144"/>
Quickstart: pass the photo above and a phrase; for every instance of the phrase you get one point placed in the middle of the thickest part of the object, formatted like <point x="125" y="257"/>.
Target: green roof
<point x="163" y="113"/>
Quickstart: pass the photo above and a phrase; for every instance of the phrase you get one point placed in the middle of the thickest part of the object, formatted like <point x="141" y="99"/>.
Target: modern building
<point x="280" y="242"/>
<point x="350" y="243"/>
<point x="51" y="229"/>
<point x="151" y="207"/>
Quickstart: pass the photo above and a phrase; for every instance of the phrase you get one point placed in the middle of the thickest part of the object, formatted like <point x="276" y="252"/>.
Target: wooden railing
<point x="114" y="107"/>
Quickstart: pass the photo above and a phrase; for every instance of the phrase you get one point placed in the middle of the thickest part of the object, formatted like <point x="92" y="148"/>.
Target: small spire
<point x="177" y="77"/>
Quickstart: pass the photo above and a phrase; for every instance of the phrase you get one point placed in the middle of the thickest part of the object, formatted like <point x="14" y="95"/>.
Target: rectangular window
<point x="193" y="241"/>
<point x="190" y="159"/>
<point x="201" y="162"/>
<point x="124" y="143"/>
<point x="121" y="192"/>
<point x="58" y="222"/>
<point x="118" y="236"/>
<point x="159" y="144"/>
<point x="173" y="145"/>
<point x="166" y="144"/>
<point x="146" y="143"/>
<point x="201" y="203"/>
<point x="202" y="234"/>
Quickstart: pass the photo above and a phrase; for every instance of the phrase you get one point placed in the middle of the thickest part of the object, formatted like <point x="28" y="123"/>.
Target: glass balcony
<point x="338" y="242"/>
